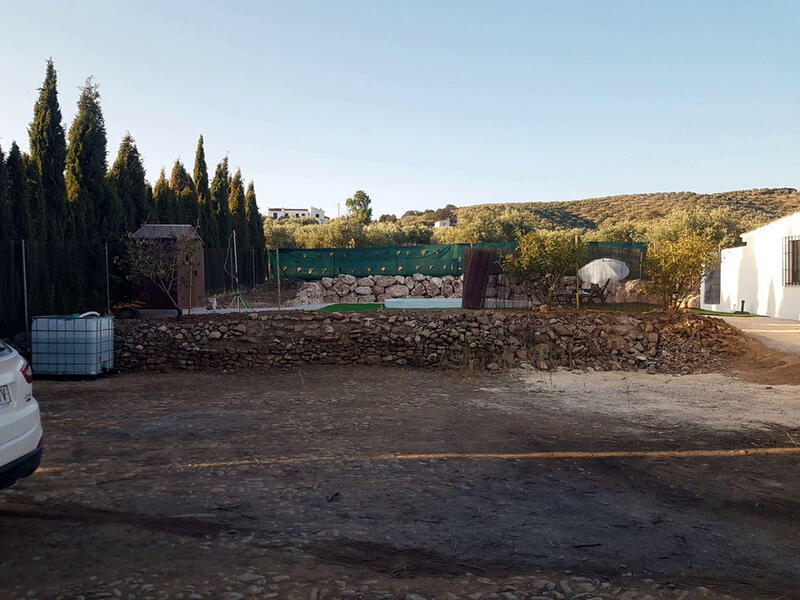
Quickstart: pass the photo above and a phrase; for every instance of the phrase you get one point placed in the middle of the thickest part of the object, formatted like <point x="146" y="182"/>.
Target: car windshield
<point x="4" y="349"/>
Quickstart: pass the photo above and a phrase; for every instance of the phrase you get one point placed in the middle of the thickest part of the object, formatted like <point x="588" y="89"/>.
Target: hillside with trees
<point x="501" y="222"/>
<point x="719" y="217"/>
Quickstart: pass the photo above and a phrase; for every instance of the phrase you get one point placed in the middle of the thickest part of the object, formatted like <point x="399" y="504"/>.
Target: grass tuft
<point x="344" y="306"/>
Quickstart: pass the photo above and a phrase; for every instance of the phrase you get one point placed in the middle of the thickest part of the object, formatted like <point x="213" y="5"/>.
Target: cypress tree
<point x="255" y="226"/>
<point x="6" y="231"/>
<point x="238" y="210"/>
<point x="208" y="217"/>
<point x="36" y="200"/>
<point x="22" y="227"/>
<point x="95" y="213"/>
<point x="182" y="186"/>
<point x="220" y="190"/>
<point x="7" y="279"/>
<point x="126" y="179"/>
<point x="152" y="214"/>
<point x="164" y="200"/>
<point x="48" y="154"/>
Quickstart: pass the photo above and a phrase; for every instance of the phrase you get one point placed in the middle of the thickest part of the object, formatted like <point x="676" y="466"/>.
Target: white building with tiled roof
<point x="298" y="213"/>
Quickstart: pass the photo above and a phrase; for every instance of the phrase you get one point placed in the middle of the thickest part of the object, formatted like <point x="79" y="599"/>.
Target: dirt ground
<point x="332" y="483"/>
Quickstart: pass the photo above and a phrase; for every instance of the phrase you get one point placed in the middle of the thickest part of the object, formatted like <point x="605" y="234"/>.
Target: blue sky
<point x="425" y="103"/>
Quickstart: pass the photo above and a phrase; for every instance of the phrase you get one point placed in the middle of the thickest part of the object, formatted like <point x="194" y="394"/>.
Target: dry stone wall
<point x="502" y="288"/>
<point x="377" y="288"/>
<point x="347" y="288"/>
<point x="659" y="341"/>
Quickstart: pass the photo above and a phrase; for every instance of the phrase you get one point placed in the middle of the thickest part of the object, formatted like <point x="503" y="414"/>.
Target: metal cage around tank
<point x="72" y="344"/>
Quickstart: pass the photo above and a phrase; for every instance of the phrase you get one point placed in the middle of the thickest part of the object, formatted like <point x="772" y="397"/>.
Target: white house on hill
<point x="764" y="273"/>
<point x="298" y="213"/>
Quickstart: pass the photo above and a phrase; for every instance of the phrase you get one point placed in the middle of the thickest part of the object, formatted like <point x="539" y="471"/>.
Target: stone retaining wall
<point x="657" y="341"/>
<point x="377" y="288"/>
<point x="347" y="288"/>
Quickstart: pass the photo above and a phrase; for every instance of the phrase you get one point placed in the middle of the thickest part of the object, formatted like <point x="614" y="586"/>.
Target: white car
<point x="20" y="426"/>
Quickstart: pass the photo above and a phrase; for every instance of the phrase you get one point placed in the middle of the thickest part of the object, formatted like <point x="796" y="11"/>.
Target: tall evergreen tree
<point x="127" y="180"/>
<point x="95" y="211"/>
<point x="6" y="224"/>
<point x="36" y="200"/>
<point x="182" y="186"/>
<point x="164" y="200"/>
<point x="201" y="172"/>
<point x="255" y="224"/>
<point x="238" y="209"/>
<point x="208" y="217"/>
<point x="48" y="154"/>
<point x="152" y="215"/>
<point x="18" y="195"/>
<point x="220" y="190"/>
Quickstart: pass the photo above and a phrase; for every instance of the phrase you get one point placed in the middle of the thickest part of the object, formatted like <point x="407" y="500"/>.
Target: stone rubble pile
<point x="659" y="341"/>
<point x="632" y="290"/>
<point x="635" y="290"/>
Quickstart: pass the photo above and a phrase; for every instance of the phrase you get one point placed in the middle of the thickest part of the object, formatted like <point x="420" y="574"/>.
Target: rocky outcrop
<point x="633" y="290"/>
<point x="657" y="341"/>
<point x="691" y="301"/>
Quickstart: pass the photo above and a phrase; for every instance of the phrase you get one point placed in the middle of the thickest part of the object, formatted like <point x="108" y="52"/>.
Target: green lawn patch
<point x="715" y="313"/>
<point x="343" y="306"/>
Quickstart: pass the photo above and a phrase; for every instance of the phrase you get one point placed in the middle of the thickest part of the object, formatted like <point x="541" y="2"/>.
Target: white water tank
<point x="72" y="344"/>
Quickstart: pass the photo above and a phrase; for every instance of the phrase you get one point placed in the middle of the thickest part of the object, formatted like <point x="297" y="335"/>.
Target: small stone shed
<point x="190" y="289"/>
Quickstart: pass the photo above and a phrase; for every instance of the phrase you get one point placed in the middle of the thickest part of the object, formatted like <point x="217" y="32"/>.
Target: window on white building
<point x="791" y="260"/>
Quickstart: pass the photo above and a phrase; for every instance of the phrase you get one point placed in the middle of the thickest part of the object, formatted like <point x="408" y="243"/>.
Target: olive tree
<point x="158" y="262"/>
<point x="548" y="255"/>
<point x="675" y="267"/>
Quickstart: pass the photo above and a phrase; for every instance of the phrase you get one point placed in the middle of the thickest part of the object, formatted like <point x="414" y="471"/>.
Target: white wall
<point x="279" y="213"/>
<point x="754" y="273"/>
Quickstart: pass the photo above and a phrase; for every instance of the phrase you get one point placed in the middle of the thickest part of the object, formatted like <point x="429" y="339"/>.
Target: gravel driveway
<point x="305" y="485"/>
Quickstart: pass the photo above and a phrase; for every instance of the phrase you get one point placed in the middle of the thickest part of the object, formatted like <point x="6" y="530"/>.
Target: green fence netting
<point x="631" y="253"/>
<point x="437" y="260"/>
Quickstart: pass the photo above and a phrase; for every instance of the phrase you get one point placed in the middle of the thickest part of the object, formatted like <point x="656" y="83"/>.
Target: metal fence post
<point x="108" y="284"/>
<point x="25" y="289"/>
<point x="278" y="271"/>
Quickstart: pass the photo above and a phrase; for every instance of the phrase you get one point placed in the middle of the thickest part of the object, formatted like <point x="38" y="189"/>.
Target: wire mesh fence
<point x="45" y="278"/>
<point x="632" y="254"/>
